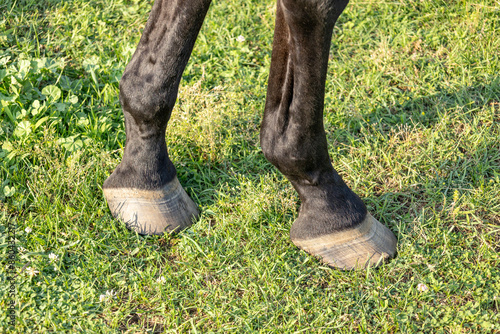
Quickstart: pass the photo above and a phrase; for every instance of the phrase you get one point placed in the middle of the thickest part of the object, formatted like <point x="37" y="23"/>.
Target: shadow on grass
<point x="29" y="6"/>
<point x="43" y="6"/>
<point x="464" y="170"/>
<point x="204" y="179"/>
<point x="424" y="111"/>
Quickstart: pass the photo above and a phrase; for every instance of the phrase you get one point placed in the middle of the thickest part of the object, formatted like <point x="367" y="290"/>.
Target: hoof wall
<point x="153" y="211"/>
<point x="366" y="245"/>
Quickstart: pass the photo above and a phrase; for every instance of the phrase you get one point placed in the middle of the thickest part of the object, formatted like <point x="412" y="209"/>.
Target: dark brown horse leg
<point x="333" y="222"/>
<point x="143" y="191"/>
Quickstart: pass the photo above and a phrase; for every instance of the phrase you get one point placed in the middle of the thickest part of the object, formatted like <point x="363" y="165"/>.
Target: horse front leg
<point x="333" y="222"/>
<point x="143" y="191"/>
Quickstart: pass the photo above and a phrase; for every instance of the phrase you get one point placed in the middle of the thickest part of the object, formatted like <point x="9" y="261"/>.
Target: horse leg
<point x="333" y="222"/>
<point x="143" y="191"/>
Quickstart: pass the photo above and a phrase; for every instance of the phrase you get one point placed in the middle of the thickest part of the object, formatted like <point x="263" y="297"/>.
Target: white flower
<point x="31" y="271"/>
<point x="110" y="294"/>
<point x="28" y="230"/>
<point x="53" y="257"/>
<point x="161" y="279"/>
<point x="422" y="287"/>
<point x="55" y="268"/>
<point x="21" y="249"/>
<point x="240" y="38"/>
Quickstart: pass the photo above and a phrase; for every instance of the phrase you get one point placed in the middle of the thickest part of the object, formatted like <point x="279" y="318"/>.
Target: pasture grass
<point x="412" y="115"/>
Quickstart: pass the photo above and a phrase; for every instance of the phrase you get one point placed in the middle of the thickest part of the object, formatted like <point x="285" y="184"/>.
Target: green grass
<point x="412" y="115"/>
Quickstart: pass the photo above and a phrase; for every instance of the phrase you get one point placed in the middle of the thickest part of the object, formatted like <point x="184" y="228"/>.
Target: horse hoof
<point x="366" y="245"/>
<point x="168" y="209"/>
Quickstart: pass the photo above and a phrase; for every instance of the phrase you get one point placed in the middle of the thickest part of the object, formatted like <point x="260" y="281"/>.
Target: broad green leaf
<point x="36" y="104"/>
<point x="7" y="99"/>
<point x="7" y="146"/>
<point x="73" y="99"/>
<point x="23" y="129"/>
<point x="4" y="60"/>
<point x="35" y="108"/>
<point x="14" y="85"/>
<point x="82" y="119"/>
<point x="71" y="143"/>
<point x="75" y="146"/>
<point x="22" y="114"/>
<point x="53" y="93"/>
<point x="91" y="65"/>
<point x="9" y="191"/>
<point x="24" y="68"/>
<point x="61" y="106"/>
<point x="38" y="64"/>
<point x="91" y="62"/>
